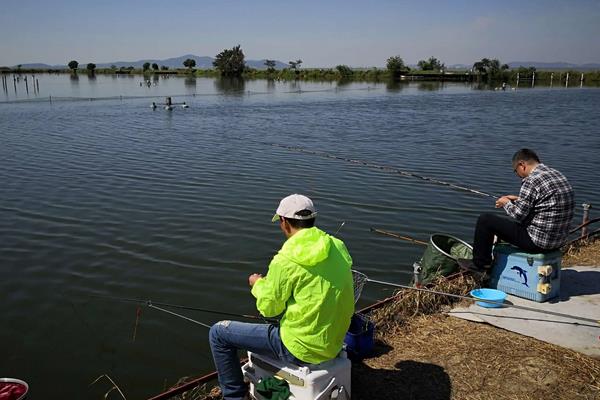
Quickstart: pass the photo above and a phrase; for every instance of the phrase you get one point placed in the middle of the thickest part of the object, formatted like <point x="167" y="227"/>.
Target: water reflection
<point x="395" y="85"/>
<point x="74" y="78"/>
<point x="190" y="82"/>
<point x="344" y="82"/>
<point x="431" y="86"/>
<point x="230" y="85"/>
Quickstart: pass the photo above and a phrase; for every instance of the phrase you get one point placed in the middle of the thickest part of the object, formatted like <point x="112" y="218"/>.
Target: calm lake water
<point x="109" y="197"/>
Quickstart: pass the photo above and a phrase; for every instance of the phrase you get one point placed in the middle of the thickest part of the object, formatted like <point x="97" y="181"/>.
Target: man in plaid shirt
<point x="541" y="213"/>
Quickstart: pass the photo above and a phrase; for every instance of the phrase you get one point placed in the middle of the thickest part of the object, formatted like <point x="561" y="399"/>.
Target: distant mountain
<point x="203" y="62"/>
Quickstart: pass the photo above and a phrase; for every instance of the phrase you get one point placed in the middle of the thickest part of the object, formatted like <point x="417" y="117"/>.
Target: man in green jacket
<point x="309" y="283"/>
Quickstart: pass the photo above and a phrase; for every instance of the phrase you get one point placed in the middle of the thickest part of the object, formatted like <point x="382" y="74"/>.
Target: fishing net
<point x="441" y="253"/>
<point x="358" y="279"/>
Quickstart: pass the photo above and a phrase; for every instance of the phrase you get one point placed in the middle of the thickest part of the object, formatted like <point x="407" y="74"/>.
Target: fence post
<point x="586" y="218"/>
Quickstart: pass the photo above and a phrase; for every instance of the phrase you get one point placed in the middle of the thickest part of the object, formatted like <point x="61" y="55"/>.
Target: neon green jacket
<point x="310" y="281"/>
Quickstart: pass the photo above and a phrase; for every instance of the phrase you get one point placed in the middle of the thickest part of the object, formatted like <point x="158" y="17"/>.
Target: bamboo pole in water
<point x="395" y="235"/>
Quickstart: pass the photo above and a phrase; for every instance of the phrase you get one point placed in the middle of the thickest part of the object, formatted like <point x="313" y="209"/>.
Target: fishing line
<point x="150" y="305"/>
<point x="364" y="278"/>
<point x="181" y="307"/>
<point x="380" y="167"/>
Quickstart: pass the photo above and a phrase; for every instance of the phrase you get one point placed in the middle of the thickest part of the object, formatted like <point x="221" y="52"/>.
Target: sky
<point x="321" y="33"/>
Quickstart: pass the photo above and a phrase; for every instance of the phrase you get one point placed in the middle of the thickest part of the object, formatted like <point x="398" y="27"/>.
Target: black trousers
<point x="507" y="230"/>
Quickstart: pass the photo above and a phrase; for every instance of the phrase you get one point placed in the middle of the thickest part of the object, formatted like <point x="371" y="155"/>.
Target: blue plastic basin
<point x="488" y="294"/>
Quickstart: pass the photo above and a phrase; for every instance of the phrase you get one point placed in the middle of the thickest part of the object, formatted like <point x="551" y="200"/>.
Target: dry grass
<point x="585" y="254"/>
<point x="203" y="392"/>
<point x="409" y="303"/>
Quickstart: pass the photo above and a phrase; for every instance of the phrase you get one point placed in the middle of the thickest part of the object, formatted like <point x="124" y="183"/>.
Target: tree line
<point x="231" y="63"/>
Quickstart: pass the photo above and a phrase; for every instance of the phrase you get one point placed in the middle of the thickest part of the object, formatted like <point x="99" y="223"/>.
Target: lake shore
<point x="422" y="353"/>
<point x="523" y="77"/>
<point x="436" y="356"/>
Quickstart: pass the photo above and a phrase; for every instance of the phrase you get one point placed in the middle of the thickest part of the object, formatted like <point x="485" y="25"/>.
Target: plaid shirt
<point x="545" y="206"/>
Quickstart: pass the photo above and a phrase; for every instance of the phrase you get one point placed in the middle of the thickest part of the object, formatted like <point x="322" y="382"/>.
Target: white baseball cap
<point x="291" y="205"/>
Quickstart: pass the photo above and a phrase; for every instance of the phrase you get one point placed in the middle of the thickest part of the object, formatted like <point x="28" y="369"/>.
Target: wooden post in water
<point x="518" y="76"/>
<point x="581" y="81"/>
<point x="37" y="83"/>
<point x="533" y="79"/>
<point x="26" y="85"/>
<point x="567" y="80"/>
<point x="551" y="78"/>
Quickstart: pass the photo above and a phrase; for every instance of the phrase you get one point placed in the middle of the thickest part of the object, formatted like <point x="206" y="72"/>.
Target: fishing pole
<point x="395" y="235"/>
<point x="340" y="227"/>
<point x="150" y="305"/>
<point x="381" y="167"/>
<point x="153" y="304"/>
<point x="365" y="278"/>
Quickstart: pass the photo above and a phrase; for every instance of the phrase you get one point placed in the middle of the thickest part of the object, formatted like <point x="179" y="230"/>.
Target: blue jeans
<point x="227" y="337"/>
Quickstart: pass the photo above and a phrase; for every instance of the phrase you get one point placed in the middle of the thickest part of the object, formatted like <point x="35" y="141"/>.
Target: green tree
<point x="395" y="66"/>
<point x="91" y="67"/>
<point x="270" y="64"/>
<point x="295" y="65"/>
<point x="230" y="62"/>
<point x="164" y="68"/>
<point x="146" y="66"/>
<point x="113" y="67"/>
<point x="73" y="65"/>
<point x="155" y="66"/>
<point x="344" y="71"/>
<point x="189" y="63"/>
<point x="491" y="68"/>
<point x="432" y="64"/>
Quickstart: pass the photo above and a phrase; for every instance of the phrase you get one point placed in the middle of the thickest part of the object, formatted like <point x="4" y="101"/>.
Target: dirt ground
<point x="440" y="357"/>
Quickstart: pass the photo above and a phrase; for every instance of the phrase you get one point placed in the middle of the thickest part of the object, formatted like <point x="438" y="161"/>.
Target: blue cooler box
<point x="530" y="276"/>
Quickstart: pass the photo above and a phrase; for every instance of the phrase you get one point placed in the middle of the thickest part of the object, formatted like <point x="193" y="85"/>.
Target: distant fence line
<point x="50" y="99"/>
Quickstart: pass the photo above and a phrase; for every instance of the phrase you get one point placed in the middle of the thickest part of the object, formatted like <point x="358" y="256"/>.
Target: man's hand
<point x="505" y="199"/>
<point x="253" y="278"/>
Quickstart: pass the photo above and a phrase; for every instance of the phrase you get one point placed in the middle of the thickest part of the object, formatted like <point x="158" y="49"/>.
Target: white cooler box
<point x="328" y="380"/>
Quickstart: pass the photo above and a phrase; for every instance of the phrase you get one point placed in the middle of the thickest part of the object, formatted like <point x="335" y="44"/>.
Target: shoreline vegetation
<point x="231" y="63"/>
<point x="522" y="75"/>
